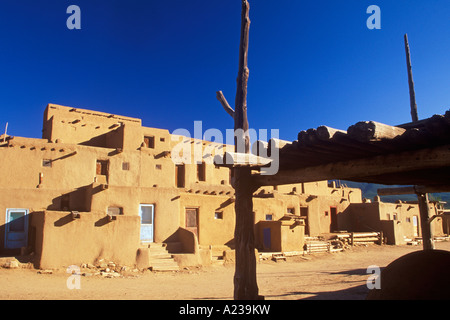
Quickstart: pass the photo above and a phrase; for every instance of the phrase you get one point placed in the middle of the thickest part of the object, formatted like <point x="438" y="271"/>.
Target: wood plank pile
<point x="360" y="238"/>
<point x="318" y="246"/>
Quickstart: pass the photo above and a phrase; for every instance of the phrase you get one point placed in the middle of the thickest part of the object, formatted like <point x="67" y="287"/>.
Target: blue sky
<point x="311" y="63"/>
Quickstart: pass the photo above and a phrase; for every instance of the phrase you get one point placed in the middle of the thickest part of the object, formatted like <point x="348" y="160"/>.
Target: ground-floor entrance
<point x="16" y="228"/>
<point x="147" y="214"/>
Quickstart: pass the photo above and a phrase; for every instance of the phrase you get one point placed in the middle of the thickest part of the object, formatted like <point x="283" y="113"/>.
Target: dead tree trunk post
<point x="245" y="284"/>
<point x="412" y="94"/>
<point x="427" y="234"/>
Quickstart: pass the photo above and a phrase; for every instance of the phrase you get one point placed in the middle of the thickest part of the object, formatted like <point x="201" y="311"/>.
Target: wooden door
<point x="334" y="222"/>
<point x="192" y="220"/>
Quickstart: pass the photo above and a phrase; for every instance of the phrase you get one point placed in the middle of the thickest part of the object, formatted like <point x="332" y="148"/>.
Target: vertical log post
<point x="425" y="214"/>
<point x="245" y="284"/>
<point x="424" y="209"/>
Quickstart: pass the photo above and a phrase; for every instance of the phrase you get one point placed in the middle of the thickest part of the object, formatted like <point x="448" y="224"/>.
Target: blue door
<point x="267" y="241"/>
<point x="16" y="235"/>
<point x="147" y="214"/>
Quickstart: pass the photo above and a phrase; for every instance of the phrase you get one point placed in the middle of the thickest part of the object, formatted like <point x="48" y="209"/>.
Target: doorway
<point x="416" y="225"/>
<point x="334" y="222"/>
<point x="192" y="220"/>
<point x="304" y="213"/>
<point x="16" y="235"/>
<point x="147" y="214"/>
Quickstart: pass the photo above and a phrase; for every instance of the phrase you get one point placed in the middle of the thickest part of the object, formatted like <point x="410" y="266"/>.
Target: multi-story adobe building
<point x="98" y="185"/>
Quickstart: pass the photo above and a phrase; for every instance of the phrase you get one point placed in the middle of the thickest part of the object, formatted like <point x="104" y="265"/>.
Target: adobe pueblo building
<point x="102" y="186"/>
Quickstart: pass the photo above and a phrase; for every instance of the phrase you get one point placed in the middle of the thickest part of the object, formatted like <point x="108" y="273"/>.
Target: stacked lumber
<point x="360" y="238"/>
<point x="317" y="247"/>
<point x="312" y="247"/>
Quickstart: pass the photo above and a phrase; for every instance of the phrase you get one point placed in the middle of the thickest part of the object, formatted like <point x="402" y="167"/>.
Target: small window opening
<point x="149" y="142"/>
<point x="218" y="215"/>
<point x="115" y="211"/>
<point x="102" y="167"/>
<point x="201" y="171"/>
<point x="125" y="166"/>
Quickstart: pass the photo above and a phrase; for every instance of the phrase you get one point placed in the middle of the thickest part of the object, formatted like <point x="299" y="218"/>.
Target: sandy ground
<point x="333" y="276"/>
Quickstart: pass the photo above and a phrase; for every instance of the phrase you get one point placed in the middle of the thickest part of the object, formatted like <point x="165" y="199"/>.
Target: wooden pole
<point x="427" y="234"/>
<point x="425" y="215"/>
<point x="245" y="284"/>
<point x="412" y="93"/>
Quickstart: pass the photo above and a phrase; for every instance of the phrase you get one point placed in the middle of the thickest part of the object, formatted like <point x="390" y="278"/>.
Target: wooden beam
<point x="430" y="158"/>
<point x="233" y="159"/>
<point x="325" y="133"/>
<point x="373" y="131"/>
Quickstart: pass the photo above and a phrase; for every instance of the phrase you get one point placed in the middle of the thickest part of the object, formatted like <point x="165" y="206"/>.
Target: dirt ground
<point x="334" y="276"/>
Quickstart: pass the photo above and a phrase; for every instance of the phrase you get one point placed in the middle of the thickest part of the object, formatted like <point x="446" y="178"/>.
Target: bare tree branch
<point x="225" y="103"/>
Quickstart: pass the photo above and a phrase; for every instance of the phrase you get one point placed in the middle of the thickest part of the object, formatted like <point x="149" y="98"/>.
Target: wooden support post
<point x="245" y="284"/>
<point x="425" y="214"/>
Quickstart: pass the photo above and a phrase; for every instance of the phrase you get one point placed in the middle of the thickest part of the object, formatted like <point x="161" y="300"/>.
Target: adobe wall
<point x="63" y="241"/>
<point x="211" y="231"/>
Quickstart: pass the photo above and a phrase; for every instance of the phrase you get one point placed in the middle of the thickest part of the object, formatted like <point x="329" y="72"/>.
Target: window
<point x="162" y="139"/>
<point x="179" y="175"/>
<point x="201" y="172"/>
<point x="408" y="220"/>
<point x="115" y="211"/>
<point x="158" y="167"/>
<point x="388" y="215"/>
<point x="125" y="166"/>
<point x="47" y="163"/>
<point x="269" y="217"/>
<point x="149" y="142"/>
<point x="218" y="215"/>
<point x="326" y="213"/>
<point x="291" y="210"/>
<point x="102" y="167"/>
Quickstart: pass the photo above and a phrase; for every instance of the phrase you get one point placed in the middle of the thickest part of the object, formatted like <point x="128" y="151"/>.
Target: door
<point x="192" y="220"/>
<point x="416" y="226"/>
<point x="334" y="223"/>
<point x="304" y="213"/>
<point x="267" y="238"/>
<point x="147" y="214"/>
<point x="16" y="235"/>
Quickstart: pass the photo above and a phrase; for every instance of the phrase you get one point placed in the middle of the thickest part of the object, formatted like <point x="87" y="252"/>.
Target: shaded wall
<point x="61" y="241"/>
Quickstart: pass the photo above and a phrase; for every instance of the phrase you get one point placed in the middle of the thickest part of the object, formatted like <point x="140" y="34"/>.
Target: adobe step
<point x="159" y="259"/>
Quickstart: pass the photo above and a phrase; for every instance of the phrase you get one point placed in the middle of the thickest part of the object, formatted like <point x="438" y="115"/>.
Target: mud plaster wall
<point x="64" y="241"/>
